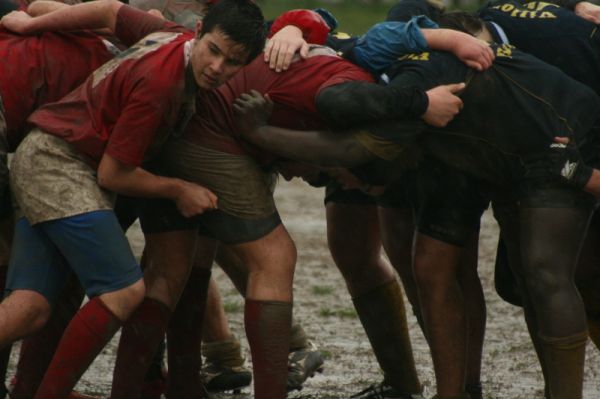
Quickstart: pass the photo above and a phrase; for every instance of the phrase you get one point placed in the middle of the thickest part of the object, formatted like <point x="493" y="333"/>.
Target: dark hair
<point x="241" y="21"/>
<point x="404" y="10"/>
<point x="461" y="21"/>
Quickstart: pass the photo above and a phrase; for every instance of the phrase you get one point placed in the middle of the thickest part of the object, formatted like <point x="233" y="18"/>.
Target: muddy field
<point x="324" y="308"/>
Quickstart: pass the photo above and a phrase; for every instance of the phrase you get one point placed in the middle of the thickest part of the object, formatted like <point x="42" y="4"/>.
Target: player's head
<point x="461" y="21"/>
<point x="230" y="36"/>
<point x="404" y="10"/>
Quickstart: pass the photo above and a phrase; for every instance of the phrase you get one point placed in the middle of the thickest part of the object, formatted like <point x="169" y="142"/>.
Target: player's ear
<point x="198" y="27"/>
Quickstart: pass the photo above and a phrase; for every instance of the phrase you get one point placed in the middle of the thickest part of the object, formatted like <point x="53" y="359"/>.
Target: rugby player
<point x="461" y="144"/>
<point x="147" y="104"/>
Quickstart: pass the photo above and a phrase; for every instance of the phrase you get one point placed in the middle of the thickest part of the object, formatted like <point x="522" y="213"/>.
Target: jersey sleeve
<point x="133" y="25"/>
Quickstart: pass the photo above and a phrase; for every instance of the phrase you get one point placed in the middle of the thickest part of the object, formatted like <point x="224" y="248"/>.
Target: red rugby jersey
<point x="125" y="104"/>
<point x="41" y="69"/>
<point x="293" y="92"/>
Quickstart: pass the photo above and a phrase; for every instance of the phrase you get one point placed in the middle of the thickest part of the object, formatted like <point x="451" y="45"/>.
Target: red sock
<point x="268" y="325"/>
<point x="140" y="337"/>
<point x="89" y="331"/>
<point x="184" y="339"/>
<point x="37" y="350"/>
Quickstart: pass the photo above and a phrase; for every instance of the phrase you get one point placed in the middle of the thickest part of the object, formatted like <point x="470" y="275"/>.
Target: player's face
<point x="215" y="59"/>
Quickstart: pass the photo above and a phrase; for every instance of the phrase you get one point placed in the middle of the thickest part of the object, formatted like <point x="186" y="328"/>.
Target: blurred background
<point x="354" y="16"/>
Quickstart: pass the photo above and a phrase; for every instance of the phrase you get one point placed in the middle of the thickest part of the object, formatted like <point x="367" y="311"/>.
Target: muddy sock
<point x="381" y="312"/>
<point x="89" y="331"/>
<point x="268" y="325"/>
<point x="37" y="350"/>
<point x="184" y="339"/>
<point x="140" y="337"/>
<point x="565" y="358"/>
<point x="298" y="338"/>
<point x="157" y="370"/>
<point x="227" y="352"/>
<point x="594" y="330"/>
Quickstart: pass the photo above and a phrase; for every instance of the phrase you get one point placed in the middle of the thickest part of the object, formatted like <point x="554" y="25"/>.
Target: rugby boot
<point x="225" y="369"/>
<point x="222" y="378"/>
<point x="303" y="363"/>
<point x="384" y="391"/>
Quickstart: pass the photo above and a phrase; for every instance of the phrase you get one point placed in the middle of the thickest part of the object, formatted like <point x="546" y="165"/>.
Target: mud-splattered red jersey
<point x="39" y="69"/>
<point x="132" y="100"/>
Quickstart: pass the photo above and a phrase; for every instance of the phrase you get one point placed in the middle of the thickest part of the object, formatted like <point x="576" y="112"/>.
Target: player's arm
<point x="191" y="199"/>
<point x="381" y="46"/>
<point x="91" y="15"/>
<point x="357" y="103"/>
<point x="342" y="148"/>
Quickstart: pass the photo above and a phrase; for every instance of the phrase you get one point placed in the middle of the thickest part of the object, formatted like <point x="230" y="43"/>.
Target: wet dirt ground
<point x="510" y="369"/>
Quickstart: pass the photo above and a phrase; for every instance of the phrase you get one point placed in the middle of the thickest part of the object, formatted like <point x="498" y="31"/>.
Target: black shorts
<point x="450" y="203"/>
<point x="161" y="216"/>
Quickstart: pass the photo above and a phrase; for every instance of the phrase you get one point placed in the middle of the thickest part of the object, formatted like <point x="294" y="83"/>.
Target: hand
<point x="194" y="199"/>
<point x="588" y="11"/>
<point x="443" y="104"/>
<point x="475" y="53"/>
<point x="566" y="161"/>
<point x="16" y="21"/>
<point x="252" y="111"/>
<point x="280" y="49"/>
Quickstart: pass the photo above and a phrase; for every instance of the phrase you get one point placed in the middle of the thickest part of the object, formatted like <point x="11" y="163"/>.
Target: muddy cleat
<point x="384" y="391"/>
<point x="221" y="378"/>
<point x="302" y="364"/>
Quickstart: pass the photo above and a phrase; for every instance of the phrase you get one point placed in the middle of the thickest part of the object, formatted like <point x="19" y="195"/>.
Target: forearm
<point x="91" y="15"/>
<point x="593" y="184"/>
<point x="136" y="182"/>
<point x="323" y="148"/>
<point x="358" y="103"/>
<point x="41" y="7"/>
<point x="443" y="39"/>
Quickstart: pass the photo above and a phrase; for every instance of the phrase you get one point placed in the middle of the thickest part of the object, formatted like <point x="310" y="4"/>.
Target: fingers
<point x="455" y="87"/>
<point x="561" y="140"/>
<point x="475" y="65"/>
<point x="304" y="50"/>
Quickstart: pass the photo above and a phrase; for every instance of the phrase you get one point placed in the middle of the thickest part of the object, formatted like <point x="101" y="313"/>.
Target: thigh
<point x="96" y="249"/>
<point x="36" y="264"/>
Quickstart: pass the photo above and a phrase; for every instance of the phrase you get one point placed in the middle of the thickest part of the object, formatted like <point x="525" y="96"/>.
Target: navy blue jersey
<point x="551" y="33"/>
<point x="511" y="111"/>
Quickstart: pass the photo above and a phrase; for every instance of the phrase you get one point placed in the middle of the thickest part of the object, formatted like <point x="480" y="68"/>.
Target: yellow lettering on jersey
<point x="507" y="7"/>
<point x="547" y="14"/>
<point x="418" y="57"/>
<point x="504" y="50"/>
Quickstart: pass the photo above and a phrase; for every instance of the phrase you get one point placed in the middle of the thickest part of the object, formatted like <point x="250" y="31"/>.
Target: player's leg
<point x="354" y="241"/>
<point x="551" y="237"/>
<point x="98" y="252"/>
<point x="169" y="254"/>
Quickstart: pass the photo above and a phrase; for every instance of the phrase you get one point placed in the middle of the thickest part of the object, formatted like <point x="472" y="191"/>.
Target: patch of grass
<point x="322" y="290"/>
<point x="233" y="307"/>
<point x="326" y="354"/>
<point x="344" y="313"/>
<point x="354" y="17"/>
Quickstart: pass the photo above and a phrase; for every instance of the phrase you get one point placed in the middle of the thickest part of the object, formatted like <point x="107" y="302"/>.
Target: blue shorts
<point x="91" y="244"/>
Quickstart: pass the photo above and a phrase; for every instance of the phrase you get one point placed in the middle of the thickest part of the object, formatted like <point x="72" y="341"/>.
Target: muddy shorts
<point x="51" y="180"/>
<point x="246" y="208"/>
<point x="396" y="195"/>
<point x="91" y="244"/>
